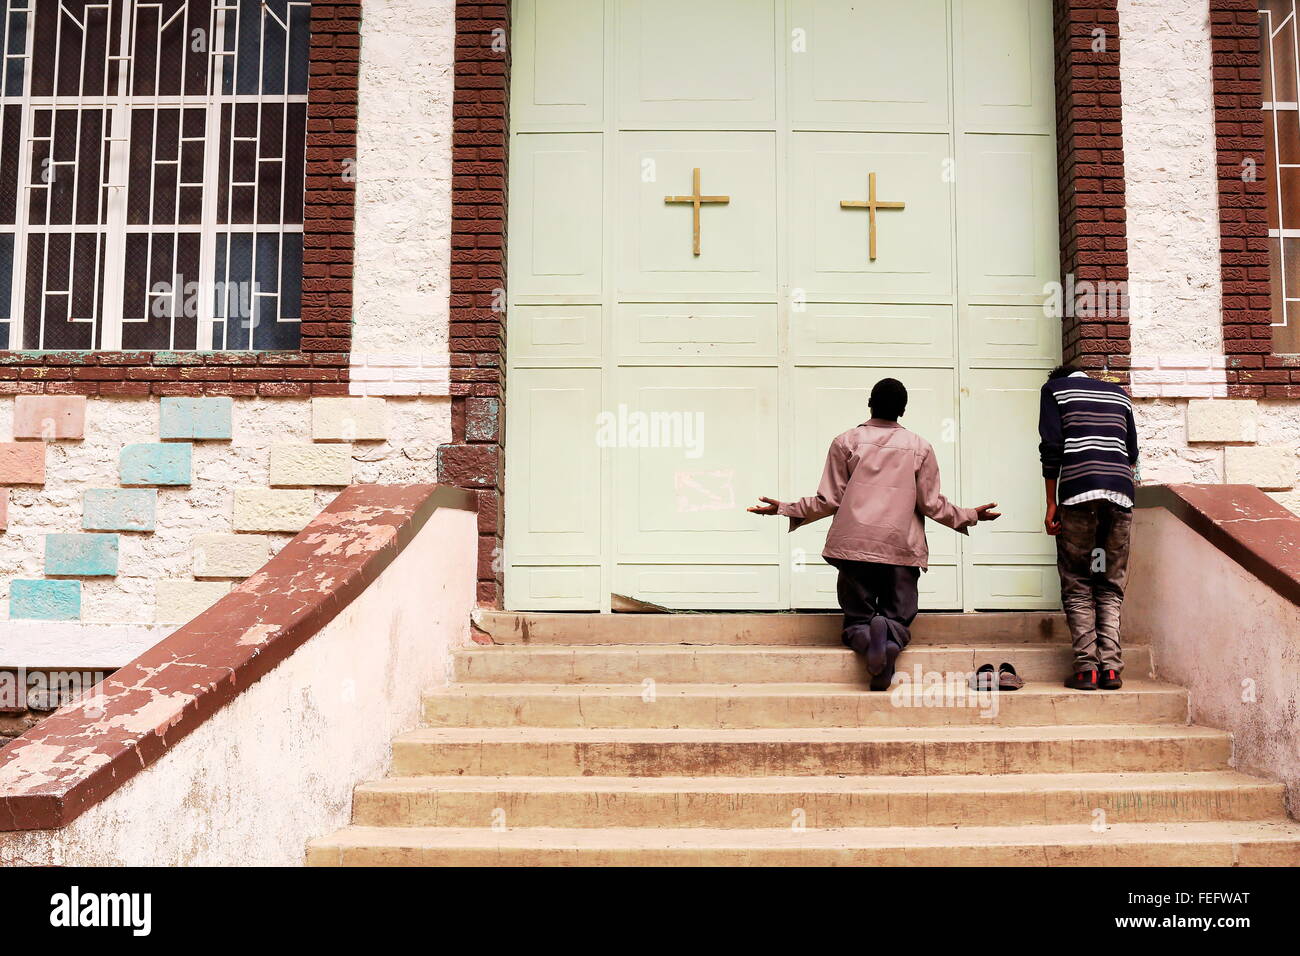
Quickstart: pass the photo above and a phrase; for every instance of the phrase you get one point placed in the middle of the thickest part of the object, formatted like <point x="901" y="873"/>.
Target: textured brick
<point x="195" y="418"/>
<point x="265" y="509"/>
<point x="1271" y="467"/>
<point x="44" y="600"/>
<point x="180" y="600"/>
<point x="348" y="419"/>
<point x="81" y="555"/>
<point x="1229" y="420"/>
<point x="118" y="509"/>
<point x="229" y="555"/>
<point x="302" y="466"/>
<point x="48" y="417"/>
<point x="22" y="463"/>
<point x="156" y="464"/>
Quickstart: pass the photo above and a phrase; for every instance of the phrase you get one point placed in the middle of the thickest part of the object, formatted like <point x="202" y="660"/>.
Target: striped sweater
<point x="1088" y="440"/>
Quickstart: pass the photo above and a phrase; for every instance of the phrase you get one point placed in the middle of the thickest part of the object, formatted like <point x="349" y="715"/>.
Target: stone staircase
<point x="751" y="739"/>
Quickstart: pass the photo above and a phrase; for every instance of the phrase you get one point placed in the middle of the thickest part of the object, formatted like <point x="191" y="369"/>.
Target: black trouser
<point x="868" y="591"/>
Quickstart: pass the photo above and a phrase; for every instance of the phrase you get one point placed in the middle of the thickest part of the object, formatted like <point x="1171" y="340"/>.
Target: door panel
<point x="684" y="62"/>
<point x="737" y="238"/>
<point x="556" y="191"/>
<point x="555" y="488"/>
<point x="700" y="444"/>
<point x="1014" y="558"/>
<point x="706" y="332"/>
<point x="557" y="50"/>
<point x="869" y="64"/>
<point x="914" y="334"/>
<point x="1005" y="65"/>
<point x="830" y="245"/>
<point x="1008" y="227"/>
<point x="561" y="335"/>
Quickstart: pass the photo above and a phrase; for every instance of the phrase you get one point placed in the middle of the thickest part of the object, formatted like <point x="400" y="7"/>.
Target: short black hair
<point x="1062" y="371"/>
<point x="888" y="399"/>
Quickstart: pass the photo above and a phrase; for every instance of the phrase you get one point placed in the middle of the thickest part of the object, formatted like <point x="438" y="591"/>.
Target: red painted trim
<point x="1241" y="521"/>
<point x="320" y="365"/>
<point x="82" y="753"/>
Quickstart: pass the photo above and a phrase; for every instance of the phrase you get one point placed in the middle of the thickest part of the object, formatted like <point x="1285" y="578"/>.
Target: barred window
<point x="1278" y="34"/>
<point x="151" y="173"/>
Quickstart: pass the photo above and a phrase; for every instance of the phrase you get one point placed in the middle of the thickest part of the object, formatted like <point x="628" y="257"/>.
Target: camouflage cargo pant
<point x="1092" y="559"/>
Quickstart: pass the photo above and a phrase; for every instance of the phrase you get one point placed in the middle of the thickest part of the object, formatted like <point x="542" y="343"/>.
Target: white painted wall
<point x="276" y="766"/>
<point x="1170" y="177"/>
<point x="403" y="250"/>
<point x="1227" y="637"/>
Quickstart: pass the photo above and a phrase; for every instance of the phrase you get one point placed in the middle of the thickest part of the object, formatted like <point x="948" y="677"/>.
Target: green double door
<point x="657" y="388"/>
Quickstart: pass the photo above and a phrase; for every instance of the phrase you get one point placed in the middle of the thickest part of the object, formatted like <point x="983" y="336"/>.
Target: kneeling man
<point x="881" y="481"/>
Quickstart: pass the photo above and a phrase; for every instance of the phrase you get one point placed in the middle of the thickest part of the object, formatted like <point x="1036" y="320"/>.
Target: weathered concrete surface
<point x="252" y="781"/>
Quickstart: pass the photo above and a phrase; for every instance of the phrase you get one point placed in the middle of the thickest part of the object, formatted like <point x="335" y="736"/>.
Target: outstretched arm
<point x="931" y="502"/>
<point x="835" y="477"/>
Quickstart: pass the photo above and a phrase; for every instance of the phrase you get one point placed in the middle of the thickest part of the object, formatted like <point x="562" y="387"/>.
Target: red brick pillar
<point x="1245" y="263"/>
<point x="1090" y="144"/>
<point x="474" y="456"/>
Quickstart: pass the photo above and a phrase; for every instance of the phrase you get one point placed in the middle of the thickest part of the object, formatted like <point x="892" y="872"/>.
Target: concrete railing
<point x="1214" y="588"/>
<point x="242" y="734"/>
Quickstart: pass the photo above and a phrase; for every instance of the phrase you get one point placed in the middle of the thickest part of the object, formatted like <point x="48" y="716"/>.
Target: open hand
<point x="986" y="512"/>
<point x="769" y="508"/>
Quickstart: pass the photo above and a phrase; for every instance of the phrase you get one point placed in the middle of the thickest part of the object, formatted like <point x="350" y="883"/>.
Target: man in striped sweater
<point x="1089" y="453"/>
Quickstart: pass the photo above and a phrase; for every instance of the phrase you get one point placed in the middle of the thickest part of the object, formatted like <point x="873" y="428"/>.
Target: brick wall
<point x="1090" y="173"/>
<point x="1252" y="368"/>
<point x="474" y="457"/>
<point x="320" y="365"/>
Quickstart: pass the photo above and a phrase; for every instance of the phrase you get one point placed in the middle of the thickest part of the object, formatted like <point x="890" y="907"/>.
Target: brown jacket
<point x="880" y="479"/>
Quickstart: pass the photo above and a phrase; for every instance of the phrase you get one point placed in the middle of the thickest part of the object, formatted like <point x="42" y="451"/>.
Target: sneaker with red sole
<point x="1082" y="680"/>
<point x="1110" y="680"/>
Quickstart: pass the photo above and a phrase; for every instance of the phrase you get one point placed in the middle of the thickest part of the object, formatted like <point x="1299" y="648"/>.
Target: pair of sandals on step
<point x="1005" y="678"/>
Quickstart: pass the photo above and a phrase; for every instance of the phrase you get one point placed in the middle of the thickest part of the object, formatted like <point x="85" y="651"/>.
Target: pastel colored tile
<point x="22" y="463"/>
<point x="267" y="509"/>
<point x="299" y="466"/>
<point x="229" y="555"/>
<point x="48" y="417"/>
<point x="177" y="601"/>
<point x="81" y="555"/>
<point x="156" y="464"/>
<point x="119" y="509"/>
<point x="45" y="600"/>
<point x="349" y="419"/>
<point x="195" y="418"/>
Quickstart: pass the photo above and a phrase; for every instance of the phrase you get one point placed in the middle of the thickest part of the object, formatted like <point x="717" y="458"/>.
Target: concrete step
<point x="973" y="800"/>
<point x="1128" y="844"/>
<point x="797" y="705"/>
<point x="736" y="665"/>
<point x="539" y="627"/>
<point x="544" y="751"/>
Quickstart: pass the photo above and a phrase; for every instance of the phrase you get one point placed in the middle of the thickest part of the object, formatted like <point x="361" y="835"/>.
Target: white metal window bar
<point x="152" y="173"/>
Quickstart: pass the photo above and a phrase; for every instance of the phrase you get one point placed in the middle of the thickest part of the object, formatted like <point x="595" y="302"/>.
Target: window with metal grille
<point x="1278" y="35"/>
<point x="151" y="173"/>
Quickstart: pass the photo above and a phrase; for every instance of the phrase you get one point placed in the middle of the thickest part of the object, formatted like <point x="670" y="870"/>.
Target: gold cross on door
<point x="871" y="205"/>
<point x="695" y="199"/>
